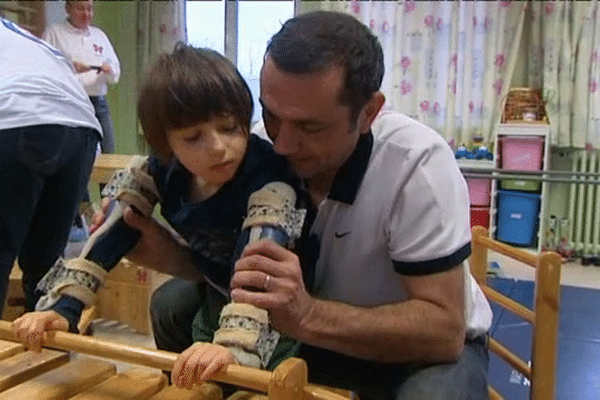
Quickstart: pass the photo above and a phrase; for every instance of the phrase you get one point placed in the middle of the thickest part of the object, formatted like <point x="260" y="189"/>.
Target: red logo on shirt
<point x="98" y="49"/>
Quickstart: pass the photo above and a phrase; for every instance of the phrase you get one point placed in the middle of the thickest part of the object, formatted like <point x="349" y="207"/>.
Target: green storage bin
<point x="528" y="186"/>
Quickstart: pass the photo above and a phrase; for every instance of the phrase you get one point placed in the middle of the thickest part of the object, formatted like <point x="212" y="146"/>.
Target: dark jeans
<point x="103" y="114"/>
<point x="174" y="305"/>
<point x="44" y="170"/>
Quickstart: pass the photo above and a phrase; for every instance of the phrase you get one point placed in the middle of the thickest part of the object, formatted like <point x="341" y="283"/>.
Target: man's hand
<point x="31" y="328"/>
<point x="81" y="67"/>
<point x="105" y="68"/>
<point x="276" y="273"/>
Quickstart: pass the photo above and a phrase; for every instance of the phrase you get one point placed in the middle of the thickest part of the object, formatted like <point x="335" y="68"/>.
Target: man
<point x="49" y="135"/>
<point x="394" y="312"/>
<point x="93" y="58"/>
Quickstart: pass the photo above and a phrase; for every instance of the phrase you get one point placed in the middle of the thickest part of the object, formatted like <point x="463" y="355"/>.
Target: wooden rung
<point x="493" y="394"/>
<point x="134" y="384"/>
<point x="63" y="382"/>
<point x="206" y="391"/>
<point x="509" y="304"/>
<point x="518" y="254"/>
<point x="24" y="366"/>
<point x="510" y="358"/>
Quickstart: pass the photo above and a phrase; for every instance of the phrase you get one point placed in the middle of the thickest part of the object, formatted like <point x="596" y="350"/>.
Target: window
<point x="240" y="30"/>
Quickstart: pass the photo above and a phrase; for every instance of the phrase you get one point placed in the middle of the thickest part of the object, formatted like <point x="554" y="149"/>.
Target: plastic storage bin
<point x="521" y="153"/>
<point x="518" y="217"/>
<point x="479" y="191"/>
<point x="480" y="216"/>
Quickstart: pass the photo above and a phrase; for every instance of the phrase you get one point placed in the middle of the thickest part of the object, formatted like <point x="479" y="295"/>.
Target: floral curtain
<point x="448" y="64"/>
<point x="564" y="60"/>
<point x="161" y="24"/>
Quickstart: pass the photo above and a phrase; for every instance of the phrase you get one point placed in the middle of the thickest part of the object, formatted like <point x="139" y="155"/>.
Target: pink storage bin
<point x="522" y="152"/>
<point x="479" y="191"/>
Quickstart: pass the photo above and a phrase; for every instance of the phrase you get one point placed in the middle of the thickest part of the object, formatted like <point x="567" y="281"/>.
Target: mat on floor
<point x="578" y="371"/>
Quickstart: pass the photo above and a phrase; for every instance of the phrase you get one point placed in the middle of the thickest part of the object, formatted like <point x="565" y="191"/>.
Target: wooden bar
<point x="289" y="381"/>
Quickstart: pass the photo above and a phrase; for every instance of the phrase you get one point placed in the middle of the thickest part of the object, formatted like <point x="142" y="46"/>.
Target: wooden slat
<point x="9" y="349"/>
<point x="508" y="356"/>
<point x="509" y="251"/>
<point x="24" y="366"/>
<point x="206" y="391"/>
<point x="509" y="304"/>
<point x="134" y="384"/>
<point x="62" y="382"/>
<point x="493" y="394"/>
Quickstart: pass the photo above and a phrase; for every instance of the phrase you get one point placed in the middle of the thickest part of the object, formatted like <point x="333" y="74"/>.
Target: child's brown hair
<point x="187" y="87"/>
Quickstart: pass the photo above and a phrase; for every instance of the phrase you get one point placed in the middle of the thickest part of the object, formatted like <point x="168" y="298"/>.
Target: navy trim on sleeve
<point x="433" y="266"/>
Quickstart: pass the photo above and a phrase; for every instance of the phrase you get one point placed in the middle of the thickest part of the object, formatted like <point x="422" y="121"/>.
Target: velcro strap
<point x="247" y="328"/>
<point x="274" y="205"/>
<point x="133" y="185"/>
<point x="78" y="277"/>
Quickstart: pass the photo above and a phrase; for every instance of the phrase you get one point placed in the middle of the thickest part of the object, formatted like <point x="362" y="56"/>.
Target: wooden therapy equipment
<point x="543" y="317"/>
<point x="52" y="374"/>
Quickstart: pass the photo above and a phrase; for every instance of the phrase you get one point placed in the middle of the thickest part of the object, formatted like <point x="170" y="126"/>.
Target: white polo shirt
<point x="90" y="46"/>
<point x="38" y="85"/>
<point x="398" y="207"/>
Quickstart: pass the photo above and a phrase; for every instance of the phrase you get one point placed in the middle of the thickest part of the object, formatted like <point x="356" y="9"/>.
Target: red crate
<point x="480" y="216"/>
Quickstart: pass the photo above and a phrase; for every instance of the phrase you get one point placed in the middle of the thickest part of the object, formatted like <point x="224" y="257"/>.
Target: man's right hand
<point x="81" y="67"/>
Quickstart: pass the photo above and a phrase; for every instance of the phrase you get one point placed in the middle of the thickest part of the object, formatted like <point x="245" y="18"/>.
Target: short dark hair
<point x="190" y="86"/>
<point x="321" y="40"/>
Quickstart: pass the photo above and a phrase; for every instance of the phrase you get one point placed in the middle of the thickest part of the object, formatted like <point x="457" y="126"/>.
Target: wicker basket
<point x="524" y="105"/>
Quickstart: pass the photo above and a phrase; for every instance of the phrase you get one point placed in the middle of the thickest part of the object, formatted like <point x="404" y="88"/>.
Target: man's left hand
<point x="276" y="277"/>
<point x="105" y="68"/>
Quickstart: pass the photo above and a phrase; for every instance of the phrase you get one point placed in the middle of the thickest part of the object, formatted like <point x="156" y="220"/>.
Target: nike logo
<point x="341" y="235"/>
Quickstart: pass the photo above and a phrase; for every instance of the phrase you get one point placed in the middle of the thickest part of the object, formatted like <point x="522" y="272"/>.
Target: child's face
<point x="211" y="150"/>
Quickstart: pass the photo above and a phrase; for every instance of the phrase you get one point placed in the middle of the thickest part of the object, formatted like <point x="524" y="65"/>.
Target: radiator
<point x="584" y="205"/>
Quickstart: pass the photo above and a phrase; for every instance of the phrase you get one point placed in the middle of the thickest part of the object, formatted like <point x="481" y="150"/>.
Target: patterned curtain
<point x="448" y="64"/>
<point x="161" y="24"/>
<point x="564" y="60"/>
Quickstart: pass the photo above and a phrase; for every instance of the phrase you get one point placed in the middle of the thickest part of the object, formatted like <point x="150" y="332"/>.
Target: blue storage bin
<point x="518" y="217"/>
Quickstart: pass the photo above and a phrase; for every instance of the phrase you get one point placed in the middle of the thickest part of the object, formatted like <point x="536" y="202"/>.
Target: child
<point x="195" y="111"/>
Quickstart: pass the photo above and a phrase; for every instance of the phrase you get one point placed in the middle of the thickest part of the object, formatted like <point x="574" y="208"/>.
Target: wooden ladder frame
<point x="543" y="317"/>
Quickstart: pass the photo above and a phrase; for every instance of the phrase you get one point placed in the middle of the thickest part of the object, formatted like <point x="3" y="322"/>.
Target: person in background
<point x="93" y="58"/>
<point x="48" y="137"/>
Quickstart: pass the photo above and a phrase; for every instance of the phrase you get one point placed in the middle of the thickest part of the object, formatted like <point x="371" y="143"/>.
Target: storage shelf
<point x="521" y="129"/>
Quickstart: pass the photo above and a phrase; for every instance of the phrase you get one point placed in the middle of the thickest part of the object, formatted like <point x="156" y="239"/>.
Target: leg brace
<point x="243" y="328"/>
<point x="82" y="277"/>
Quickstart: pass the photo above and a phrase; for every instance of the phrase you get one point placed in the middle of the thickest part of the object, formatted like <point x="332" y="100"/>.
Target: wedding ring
<point x="267" y="280"/>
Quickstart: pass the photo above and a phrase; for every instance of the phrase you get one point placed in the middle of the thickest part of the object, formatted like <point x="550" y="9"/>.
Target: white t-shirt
<point x="38" y="85"/>
<point x="90" y="46"/>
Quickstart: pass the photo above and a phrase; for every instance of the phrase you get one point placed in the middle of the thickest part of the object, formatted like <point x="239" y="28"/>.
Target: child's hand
<point x="198" y="363"/>
<point x="100" y="216"/>
<point x="30" y="328"/>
